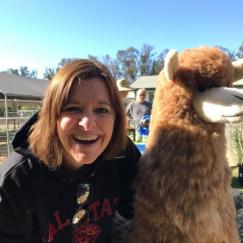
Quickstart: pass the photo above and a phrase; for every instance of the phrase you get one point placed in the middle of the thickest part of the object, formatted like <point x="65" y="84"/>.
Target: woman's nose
<point x="87" y="122"/>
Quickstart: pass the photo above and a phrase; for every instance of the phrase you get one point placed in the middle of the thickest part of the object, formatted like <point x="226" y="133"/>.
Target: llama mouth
<point x="239" y="114"/>
<point x="86" y="140"/>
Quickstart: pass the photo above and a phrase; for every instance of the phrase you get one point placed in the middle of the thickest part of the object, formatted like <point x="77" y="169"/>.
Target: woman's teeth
<point x="86" y="138"/>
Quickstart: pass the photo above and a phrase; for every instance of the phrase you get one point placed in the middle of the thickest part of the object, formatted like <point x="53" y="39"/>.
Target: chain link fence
<point x="8" y="127"/>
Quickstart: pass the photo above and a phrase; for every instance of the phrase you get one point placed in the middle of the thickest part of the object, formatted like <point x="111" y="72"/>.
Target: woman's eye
<point x="72" y="109"/>
<point x="102" y="110"/>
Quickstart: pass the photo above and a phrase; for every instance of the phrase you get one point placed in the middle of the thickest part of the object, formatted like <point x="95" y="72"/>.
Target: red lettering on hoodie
<point x="52" y="232"/>
<point x="93" y="207"/>
<point x="61" y="224"/>
<point x="106" y="208"/>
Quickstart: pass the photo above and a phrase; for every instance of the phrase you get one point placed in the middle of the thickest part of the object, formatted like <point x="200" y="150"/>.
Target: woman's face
<point x="86" y="123"/>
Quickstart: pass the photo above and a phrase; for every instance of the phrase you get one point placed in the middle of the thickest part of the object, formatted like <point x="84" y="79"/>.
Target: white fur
<point x="171" y="64"/>
<point x="221" y="105"/>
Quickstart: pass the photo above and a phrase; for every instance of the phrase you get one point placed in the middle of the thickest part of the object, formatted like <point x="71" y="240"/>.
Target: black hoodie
<point x="37" y="204"/>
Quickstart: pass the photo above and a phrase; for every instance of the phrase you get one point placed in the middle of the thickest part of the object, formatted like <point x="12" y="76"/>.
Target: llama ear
<point x="171" y="64"/>
<point x="238" y="69"/>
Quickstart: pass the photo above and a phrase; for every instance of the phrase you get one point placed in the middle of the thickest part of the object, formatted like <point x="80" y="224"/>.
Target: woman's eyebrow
<point x="100" y="102"/>
<point x="105" y="103"/>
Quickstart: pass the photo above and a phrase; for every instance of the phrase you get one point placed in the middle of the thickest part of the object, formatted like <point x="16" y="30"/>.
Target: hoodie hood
<point x="20" y="140"/>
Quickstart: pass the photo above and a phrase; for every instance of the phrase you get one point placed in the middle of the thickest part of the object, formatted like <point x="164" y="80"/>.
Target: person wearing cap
<point x="124" y="88"/>
<point x="139" y="108"/>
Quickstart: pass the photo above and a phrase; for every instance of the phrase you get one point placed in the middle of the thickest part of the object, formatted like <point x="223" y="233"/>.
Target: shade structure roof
<point x="20" y="87"/>
<point x="147" y="82"/>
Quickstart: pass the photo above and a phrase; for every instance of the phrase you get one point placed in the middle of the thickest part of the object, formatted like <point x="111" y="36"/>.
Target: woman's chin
<point x="77" y="160"/>
<point x="84" y="159"/>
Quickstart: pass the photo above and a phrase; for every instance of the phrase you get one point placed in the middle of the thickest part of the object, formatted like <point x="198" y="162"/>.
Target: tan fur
<point x="183" y="192"/>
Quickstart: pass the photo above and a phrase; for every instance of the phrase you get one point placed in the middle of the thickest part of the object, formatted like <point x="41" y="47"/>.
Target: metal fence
<point x="8" y="127"/>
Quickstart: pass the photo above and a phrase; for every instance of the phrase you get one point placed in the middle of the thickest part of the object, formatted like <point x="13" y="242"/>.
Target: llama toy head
<point x="207" y="75"/>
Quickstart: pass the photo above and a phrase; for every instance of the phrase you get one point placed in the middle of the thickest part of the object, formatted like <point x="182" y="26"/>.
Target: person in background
<point x="73" y="165"/>
<point x="124" y="89"/>
<point x="138" y="110"/>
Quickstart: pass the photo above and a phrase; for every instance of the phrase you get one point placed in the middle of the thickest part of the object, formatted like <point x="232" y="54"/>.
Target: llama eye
<point x="201" y="88"/>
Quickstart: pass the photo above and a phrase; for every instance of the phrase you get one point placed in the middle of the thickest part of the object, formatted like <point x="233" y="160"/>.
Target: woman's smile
<point x="86" y="139"/>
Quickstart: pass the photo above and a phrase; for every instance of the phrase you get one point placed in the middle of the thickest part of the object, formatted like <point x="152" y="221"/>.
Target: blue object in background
<point x="143" y="130"/>
<point x="141" y="146"/>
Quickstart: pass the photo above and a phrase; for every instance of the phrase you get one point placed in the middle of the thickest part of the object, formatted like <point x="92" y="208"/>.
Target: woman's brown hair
<point x="44" y="141"/>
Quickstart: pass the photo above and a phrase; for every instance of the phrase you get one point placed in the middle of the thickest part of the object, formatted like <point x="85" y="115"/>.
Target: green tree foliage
<point x="146" y="60"/>
<point x="63" y="62"/>
<point x="13" y="71"/>
<point x="112" y="65"/>
<point x="239" y="54"/>
<point x="158" y="62"/>
<point x="49" y="73"/>
<point x="231" y="54"/>
<point x="91" y="57"/>
<point x="128" y="62"/>
<point x="23" y="71"/>
<point x="131" y="63"/>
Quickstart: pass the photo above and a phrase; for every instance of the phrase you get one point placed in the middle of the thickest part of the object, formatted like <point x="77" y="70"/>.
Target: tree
<point x="63" y="62"/>
<point x="91" y="57"/>
<point x="49" y="73"/>
<point x="158" y="63"/>
<point x="23" y="71"/>
<point x="231" y="54"/>
<point x="239" y="54"/>
<point x="128" y="63"/>
<point x="112" y="65"/>
<point x="13" y="71"/>
<point x="146" y="59"/>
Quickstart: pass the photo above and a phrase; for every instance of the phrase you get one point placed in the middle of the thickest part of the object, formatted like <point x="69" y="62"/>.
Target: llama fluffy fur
<point x="183" y="189"/>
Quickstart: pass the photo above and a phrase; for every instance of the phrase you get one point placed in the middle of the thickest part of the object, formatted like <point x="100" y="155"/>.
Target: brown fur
<point x="183" y="192"/>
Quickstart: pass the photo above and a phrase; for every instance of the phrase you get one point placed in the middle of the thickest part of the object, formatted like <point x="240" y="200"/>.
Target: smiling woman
<point x="73" y="165"/>
<point x="86" y="122"/>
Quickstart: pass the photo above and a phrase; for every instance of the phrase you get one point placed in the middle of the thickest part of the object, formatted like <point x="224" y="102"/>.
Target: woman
<point x="73" y="165"/>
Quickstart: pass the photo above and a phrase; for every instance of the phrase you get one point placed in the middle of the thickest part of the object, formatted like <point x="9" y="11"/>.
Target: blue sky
<point x="38" y="33"/>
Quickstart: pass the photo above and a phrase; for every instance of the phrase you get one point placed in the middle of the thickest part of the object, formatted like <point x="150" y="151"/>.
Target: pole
<point x="6" y="119"/>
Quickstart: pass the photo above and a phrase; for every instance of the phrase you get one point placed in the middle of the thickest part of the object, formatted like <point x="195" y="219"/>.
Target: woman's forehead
<point x="94" y="89"/>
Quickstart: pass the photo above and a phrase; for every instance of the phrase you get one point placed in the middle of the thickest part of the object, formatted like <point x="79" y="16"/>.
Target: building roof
<point x="15" y="86"/>
<point x="147" y="82"/>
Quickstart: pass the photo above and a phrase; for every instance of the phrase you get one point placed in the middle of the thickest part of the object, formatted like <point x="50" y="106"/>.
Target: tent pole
<point x="6" y="121"/>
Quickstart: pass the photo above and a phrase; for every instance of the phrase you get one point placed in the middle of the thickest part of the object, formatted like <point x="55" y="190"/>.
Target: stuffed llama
<point x="183" y="189"/>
